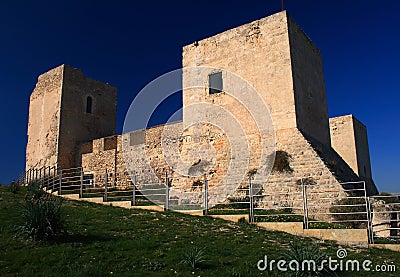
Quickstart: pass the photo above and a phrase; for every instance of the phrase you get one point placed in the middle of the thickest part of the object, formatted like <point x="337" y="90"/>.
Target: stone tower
<point x="349" y="138"/>
<point x="283" y="65"/>
<point x="66" y="108"/>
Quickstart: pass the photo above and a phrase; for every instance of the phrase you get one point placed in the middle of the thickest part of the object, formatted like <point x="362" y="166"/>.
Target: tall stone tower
<point x="66" y="108"/>
<point x="278" y="59"/>
<point x="285" y="67"/>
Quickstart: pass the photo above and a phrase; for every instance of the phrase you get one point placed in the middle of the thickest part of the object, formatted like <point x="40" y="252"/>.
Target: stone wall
<point x="309" y="85"/>
<point x="44" y="116"/>
<point x="306" y="163"/>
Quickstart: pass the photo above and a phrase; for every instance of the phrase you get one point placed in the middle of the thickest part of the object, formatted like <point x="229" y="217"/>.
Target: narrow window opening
<point x="215" y="83"/>
<point x="89" y="103"/>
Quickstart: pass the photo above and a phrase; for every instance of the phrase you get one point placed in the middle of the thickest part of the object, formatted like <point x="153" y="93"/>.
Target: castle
<point x="72" y="118"/>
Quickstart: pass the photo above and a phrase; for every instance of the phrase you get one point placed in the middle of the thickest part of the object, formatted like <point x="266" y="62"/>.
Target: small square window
<point x="215" y="83"/>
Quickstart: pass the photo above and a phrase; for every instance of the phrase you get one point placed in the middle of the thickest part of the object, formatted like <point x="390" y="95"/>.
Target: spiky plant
<point x="41" y="217"/>
<point x="304" y="250"/>
<point x="193" y="256"/>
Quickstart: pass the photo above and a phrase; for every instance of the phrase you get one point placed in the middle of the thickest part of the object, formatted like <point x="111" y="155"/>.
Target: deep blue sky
<point x="128" y="44"/>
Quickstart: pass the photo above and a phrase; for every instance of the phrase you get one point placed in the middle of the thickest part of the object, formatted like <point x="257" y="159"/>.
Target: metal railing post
<point x="166" y="191"/>
<point x="251" y="211"/>
<point x="81" y="187"/>
<point x="369" y="221"/>
<point x="54" y="178"/>
<point x="134" y="190"/>
<point x="43" y="176"/>
<point x="106" y="186"/>
<point x="305" y="204"/>
<point x="48" y="179"/>
<point x="60" y="182"/>
<point x="205" y="195"/>
<point x="40" y="177"/>
<point x="370" y="226"/>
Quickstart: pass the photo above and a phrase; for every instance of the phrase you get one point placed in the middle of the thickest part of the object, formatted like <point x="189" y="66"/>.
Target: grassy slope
<point x="106" y="240"/>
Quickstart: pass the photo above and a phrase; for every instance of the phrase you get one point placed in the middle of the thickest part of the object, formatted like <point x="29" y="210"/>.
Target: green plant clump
<point x="309" y="181"/>
<point x="41" y="217"/>
<point x="35" y="190"/>
<point x="14" y="187"/>
<point x="193" y="257"/>
<point x="282" y="162"/>
<point x="306" y="251"/>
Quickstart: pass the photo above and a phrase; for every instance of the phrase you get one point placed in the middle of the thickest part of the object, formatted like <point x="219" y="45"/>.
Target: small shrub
<point x="14" y="187"/>
<point x="302" y="250"/>
<point x="242" y="221"/>
<point x="252" y="172"/>
<point x="159" y="253"/>
<point x="35" y="190"/>
<point x="198" y="184"/>
<point x="309" y="181"/>
<point x="193" y="257"/>
<point x="282" y="162"/>
<point x="42" y="218"/>
<point x="351" y="211"/>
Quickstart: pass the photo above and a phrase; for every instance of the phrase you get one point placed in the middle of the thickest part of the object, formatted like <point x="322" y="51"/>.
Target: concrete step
<point x="121" y="204"/>
<point x="150" y="208"/>
<point x="98" y="200"/>
<point x="71" y="196"/>
<point x="190" y="212"/>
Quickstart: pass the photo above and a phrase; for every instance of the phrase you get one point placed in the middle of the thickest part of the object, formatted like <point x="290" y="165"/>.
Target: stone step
<point x="98" y="200"/>
<point x="71" y="196"/>
<point x="121" y="204"/>
<point x="150" y="208"/>
<point x="190" y="212"/>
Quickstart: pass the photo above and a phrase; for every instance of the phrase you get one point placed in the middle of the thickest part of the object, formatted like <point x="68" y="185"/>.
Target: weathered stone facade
<point x="59" y="119"/>
<point x="273" y="55"/>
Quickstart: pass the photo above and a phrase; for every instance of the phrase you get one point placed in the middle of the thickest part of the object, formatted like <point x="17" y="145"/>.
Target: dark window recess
<point x="215" y="83"/>
<point x="88" y="179"/>
<point x="89" y="104"/>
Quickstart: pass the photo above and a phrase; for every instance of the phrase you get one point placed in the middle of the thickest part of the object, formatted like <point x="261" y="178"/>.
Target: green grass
<point x="105" y="241"/>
